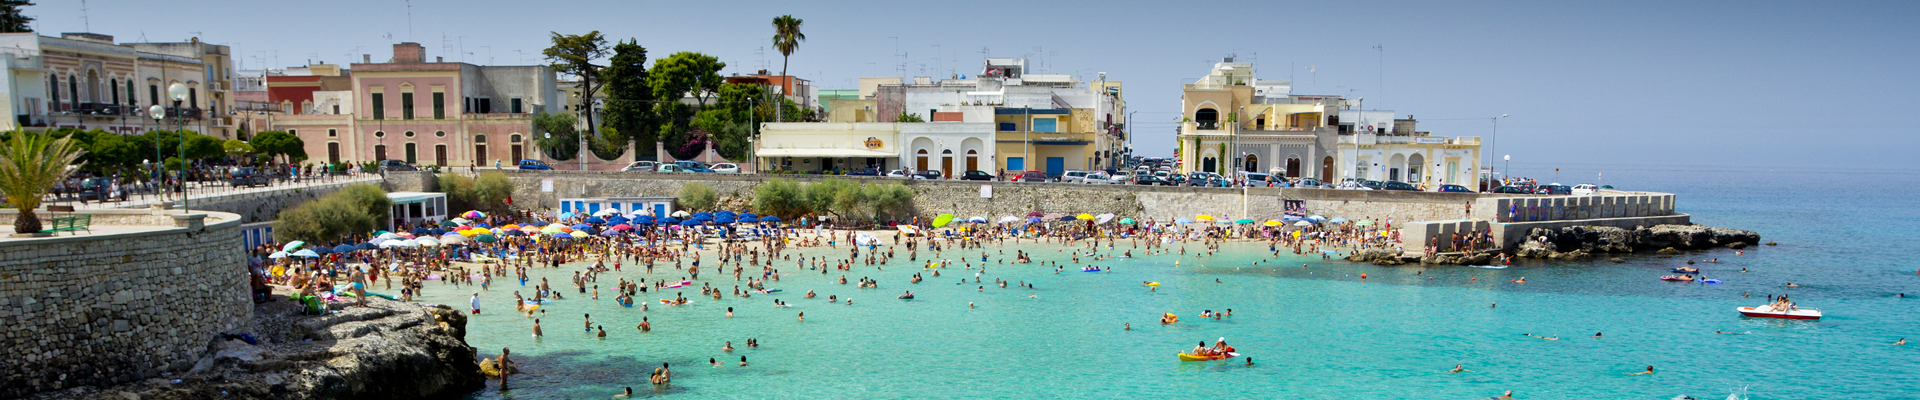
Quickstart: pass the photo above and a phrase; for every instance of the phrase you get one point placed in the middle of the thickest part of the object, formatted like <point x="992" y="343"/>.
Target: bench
<point x="71" y="223"/>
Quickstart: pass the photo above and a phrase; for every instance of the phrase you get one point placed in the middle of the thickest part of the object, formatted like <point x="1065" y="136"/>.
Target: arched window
<point x="114" y="85"/>
<point x="53" y="92"/>
<point x="513" y="139"/>
<point x="479" y="138"/>
<point x="73" y="90"/>
<point x="1207" y="118"/>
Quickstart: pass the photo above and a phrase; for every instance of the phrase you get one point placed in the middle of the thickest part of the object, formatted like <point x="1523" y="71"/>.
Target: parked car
<point x="898" y="173"/>
<point x="1119" y="178"/>
<point x="1553" y="188"/>
<point x="1074" y="177"/>
<point x="535" y="165"/>
<point x="1512" y="190"/>
<point x="726" y="168"/>
<point x="100" y="189"/>
<point x="1398" y="185"/>
<point x="396" y="165"/>
<point x="242" y="176"/>
<point x="1354" y="184"/>
<point x="930" y="174"/>
<point x="864" y="172"/>
<point x="694" y="166"/>
<point x="1255" y="179"/>
<point x="1096" y="177"/>
<point x="1452" y="188"/>
<point x="1586" y="189"/>
<point x="642" y="166"/>
<point x="1312" y="183"/>
<point x="976" y="176"/>
<point x="1196" y="179"/>
<point x="668" y="168"/>
<point x="1175" y="180"/>
<point x="1148" y="180"/>
<point x="1031" y="176"/>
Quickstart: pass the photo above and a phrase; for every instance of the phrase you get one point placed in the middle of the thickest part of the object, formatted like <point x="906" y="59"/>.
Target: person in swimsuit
<point x="1458" y="368"/>
<point x="1649" y="371"/>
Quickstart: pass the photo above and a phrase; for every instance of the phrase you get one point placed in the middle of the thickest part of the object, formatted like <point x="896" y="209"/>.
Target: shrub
<point x="698" y="197"/>
<point x="779" y="197"/>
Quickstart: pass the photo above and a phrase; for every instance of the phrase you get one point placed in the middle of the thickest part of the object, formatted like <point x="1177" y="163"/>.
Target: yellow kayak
<point x="1190" y="357"/>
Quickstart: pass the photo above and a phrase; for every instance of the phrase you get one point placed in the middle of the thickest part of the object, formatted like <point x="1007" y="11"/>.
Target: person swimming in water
<point x="1649" y="371"/>
<point x="1458" y="368"/>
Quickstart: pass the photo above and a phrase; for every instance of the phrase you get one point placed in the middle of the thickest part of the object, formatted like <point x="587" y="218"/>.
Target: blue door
<point x="1056" y="166"/>
<point x="566" y="206"/>
<point x="659" y="210"/>
<point x="593" y="208"/>
<point x="1016" y="163"/>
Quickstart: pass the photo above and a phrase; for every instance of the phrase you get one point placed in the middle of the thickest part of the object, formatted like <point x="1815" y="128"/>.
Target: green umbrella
<point x="1243" y="221"/>
<point x="1126" y="220"/>
<point x="942" y="220"/>
<point x="1363" y="223"/>
<point x="486" y="238"/>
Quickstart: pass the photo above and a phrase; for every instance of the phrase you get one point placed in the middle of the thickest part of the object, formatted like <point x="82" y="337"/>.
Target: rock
<point x="1617" y="260"/>
<point x="1668" y="251"/>
<point x="1737" y="245"/>
<point x="1773" y="244"/>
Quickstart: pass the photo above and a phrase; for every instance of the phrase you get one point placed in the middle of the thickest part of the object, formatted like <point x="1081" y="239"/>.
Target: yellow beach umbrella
<point x="1273" y="223"/>
<point x="1203" y="217"/>
<point x="1084" y="217"/>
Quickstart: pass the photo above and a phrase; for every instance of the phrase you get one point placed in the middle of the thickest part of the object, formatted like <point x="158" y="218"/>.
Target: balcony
<point x="1207" y="125"/>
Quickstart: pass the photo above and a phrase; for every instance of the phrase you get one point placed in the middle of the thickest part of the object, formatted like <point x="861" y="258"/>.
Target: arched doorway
<point x="1326" y="169"/>
<point x="1395" y="166"/>
<point x="973" y="160"/>
<point x="1251" y="164"/>
<point x="1207" y="164"/>
<point x="920" y="160"/>
<point x="946" y="163"/>
<point x="1293" y="167"/>
<point x="1416" y="166"/>
<point x="93" y="86"/>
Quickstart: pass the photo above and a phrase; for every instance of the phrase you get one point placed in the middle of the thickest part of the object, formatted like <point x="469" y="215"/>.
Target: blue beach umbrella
<point x="567" y="215"/>
<point x="1338" y="220"/>
<point x="717" y="215"/>
<point x="580" y="226"/>
<point x="769" y="218"/>
<point x="483" y="225"/>
<point x="669" y="221"/>
<point x="689" y="223"/>
<point x="278" y="254"/>
<point x="702" y="216"/>
<point x="748" y="217"/>
<point x="366" y="246"/>
<point x="596" y="220"/>
<point x="723" y="219"/>
<point x="1183" y="221"/>
<point x="1033" y="219"/>
<point x="420" y="231"/>
<point x="618" y="219"/>
<point x="1065" y="218"/>
<point x="343" y="248"/>
<point x="320" y="250"/>
<point x="644" y="220"/>
<point x="535" y="223"/>
<point x="306" y="253"/>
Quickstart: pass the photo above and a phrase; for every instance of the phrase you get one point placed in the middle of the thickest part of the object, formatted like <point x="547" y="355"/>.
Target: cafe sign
<point x="874" y="143"/>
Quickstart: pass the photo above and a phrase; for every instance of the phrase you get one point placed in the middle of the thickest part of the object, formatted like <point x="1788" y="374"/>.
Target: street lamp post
<point x="1494" y="143"/>
<point x="178" y="93"/>
<point x="1509" y="166"/>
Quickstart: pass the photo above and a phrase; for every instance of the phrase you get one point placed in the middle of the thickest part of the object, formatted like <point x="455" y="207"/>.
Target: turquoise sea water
<point x="1314" y="332"/>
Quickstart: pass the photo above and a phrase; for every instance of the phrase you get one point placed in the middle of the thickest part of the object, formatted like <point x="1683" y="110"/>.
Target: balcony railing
<point x="1208" y="125"/>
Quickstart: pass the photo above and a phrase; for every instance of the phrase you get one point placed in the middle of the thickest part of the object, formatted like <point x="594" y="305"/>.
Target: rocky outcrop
<point x="1582" y="241"/>
<point x="1378" y="256"/>
<point x="388" y="350"/>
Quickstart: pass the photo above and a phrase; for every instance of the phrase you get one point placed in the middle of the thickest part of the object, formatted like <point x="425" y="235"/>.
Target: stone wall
<point x="130" y="302"/>
<point x="261" y="206"/>
<point x="963" y="198"/>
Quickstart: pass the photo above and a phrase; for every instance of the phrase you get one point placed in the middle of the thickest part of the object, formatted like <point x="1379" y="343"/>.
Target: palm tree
<point x="786" y="38"/>
<point x="30" y="164"/>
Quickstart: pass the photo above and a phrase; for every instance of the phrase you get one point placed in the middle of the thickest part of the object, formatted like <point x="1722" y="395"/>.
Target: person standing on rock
<point x="359" y="279"/>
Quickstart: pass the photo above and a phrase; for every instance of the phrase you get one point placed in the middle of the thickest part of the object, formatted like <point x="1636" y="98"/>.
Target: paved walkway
<point x="202" y="190"/>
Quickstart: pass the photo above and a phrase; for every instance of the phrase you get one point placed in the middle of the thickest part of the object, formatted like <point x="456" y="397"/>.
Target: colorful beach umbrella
<point x="1302" y="223"/>
<point x="942" y="220"/>
<point x="449" y="224"/>
<point x="1273" y="223"/>
<point x="1244" y="221"/>
<point x="1128" y="221"/>
<point x="769" y="218"/>
<point x="1182" y="221"/>
<point x="1203" y="217"/>
<point x="1338" y="220"/>
<point x="977" y="220"/>
<point x="473" y="214"/>
<point x="1103" y="218"/>
<point x="1009" y="218"/>
<point x="292" y="245"/>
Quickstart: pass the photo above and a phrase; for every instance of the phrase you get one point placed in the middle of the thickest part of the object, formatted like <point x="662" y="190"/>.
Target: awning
<point x="824" y="153"/>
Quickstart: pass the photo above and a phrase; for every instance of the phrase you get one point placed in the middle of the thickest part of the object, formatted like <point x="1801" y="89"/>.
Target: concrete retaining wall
<point x="111" y="308"/>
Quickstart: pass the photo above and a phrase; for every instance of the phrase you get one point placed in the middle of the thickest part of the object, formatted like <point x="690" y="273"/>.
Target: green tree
<point x="203" y="147"/>
<point x="488" y="193"/>
<point x="905" y="117"/>
<point x="574" y="55"/>
<point x="887" y="200"/>
<point x="11" y="20"/>
<point x="698" y="197"/>
<point x="356" y="209"/>
<point x="629" y="108"/>
<point x="683" y="74"/>
<point x="837" y="196"/>
<point x="30" y="164"/>
<point x="237" y="149"/>
<point x="371" y="200"/>
<point x="279" y="143"/>
<point x="556" y="136"/>
<point x="781" y="198"/>
<point x="786" y="39"/>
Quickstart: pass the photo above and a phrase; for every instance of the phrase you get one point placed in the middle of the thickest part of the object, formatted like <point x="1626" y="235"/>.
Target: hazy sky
<point x="1777" y="84"/>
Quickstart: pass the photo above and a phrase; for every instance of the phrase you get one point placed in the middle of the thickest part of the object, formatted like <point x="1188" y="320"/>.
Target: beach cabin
<point x="416" y="207"/>
<point x="255" y="234"/>
<point x="657" y="206"/>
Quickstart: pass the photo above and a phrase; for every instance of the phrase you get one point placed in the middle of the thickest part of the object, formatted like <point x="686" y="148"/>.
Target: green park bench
<point x="70" y="223"/>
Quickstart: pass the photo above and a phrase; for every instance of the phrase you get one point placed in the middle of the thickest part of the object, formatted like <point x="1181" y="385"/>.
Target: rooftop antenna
<point x="489" y="54"/>
<point x="936" y="58"/>
<point x="85" y="22"/>
<point x="409" y="20"/>
<point x="761" y="52"/>
<point x="463" y="48"/>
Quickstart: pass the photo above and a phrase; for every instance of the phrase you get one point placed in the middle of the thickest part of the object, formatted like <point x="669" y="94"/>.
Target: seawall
<point x="144" y="294"/>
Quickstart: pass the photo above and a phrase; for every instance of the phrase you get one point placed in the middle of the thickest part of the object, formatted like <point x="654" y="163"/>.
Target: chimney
<point x="366" y="58"/>
<point x="409" y="53"/>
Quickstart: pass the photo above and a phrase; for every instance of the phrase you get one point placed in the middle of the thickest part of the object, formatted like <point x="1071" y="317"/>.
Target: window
<point x="292" y="132"/>
<point x="439" y="105"/>
<point x="53" y="92"/>
<point x="73" y="90"/>
<point x="485" y="105"/>
<point x="379" y="152"/>
<point x="1007" y="127"/>
<point x="336" y="109"/>
<point x="406" y="105"/>
<point x="410" y="153"/>
<point x="1047" y="124"/>
<point x="333" y="133"/>
<point x="333" y="152"/>
<point x="439" y="133"/>
<point x="153" y="93"/>
<point x="409" y="133"/>
<point x="379" y="134"/>
<point x="133" y="98"/>
<point x="193" y="97"/>
<point x="514" y="138"/>
<point x="379" y="106"/>
<point x="115" y="85"/>
<point x="479" y="138"/>
<point x="516" y="105"/>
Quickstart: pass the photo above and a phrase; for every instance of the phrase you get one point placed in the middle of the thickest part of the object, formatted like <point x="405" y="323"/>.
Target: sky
<point x="1778" y="84"/>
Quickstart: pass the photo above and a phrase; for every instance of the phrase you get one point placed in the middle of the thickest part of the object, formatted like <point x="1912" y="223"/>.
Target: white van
<point x="1586" y="189"/>
<point x="1074" y="177"/>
